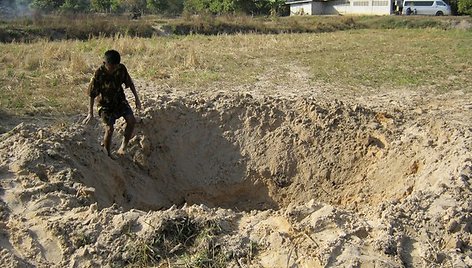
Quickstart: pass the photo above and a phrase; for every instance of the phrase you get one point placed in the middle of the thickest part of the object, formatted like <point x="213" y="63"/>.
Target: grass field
<point x="50" y="77"/>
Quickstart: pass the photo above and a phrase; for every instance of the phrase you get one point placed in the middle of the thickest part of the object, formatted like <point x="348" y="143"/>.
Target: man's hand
<point x="88" y="119"/>
<point x="138" y="104"/>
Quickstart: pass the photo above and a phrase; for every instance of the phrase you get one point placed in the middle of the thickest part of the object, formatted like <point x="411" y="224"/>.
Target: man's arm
<point x="90" y="112"/>
<point x="136" y="97"/>
<point x="92" y="102"/>
<point x="93" y="90"/>
<point x="129" y="83"/>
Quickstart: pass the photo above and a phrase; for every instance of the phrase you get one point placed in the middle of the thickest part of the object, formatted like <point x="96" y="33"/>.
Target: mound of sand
<point x="282" y="181"/>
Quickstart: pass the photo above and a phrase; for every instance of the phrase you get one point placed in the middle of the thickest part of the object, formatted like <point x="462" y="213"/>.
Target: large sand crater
<point x="244" y="154"/>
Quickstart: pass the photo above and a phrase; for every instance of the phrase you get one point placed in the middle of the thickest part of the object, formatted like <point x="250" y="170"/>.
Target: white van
<point x="426" y="7"/>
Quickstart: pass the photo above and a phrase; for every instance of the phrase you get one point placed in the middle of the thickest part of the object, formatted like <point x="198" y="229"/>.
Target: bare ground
<point x="294" y="175"/>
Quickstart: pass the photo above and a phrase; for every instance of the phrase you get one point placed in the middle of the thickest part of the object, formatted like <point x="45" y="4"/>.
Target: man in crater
<point x="107" y="86"/>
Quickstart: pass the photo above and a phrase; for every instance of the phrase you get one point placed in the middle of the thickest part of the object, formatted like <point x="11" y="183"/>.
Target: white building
<point x="336" y="7"/>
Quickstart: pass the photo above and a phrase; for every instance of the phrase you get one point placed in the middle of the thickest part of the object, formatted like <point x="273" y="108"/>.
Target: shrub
<point x="165" y="7"/>
<point x="465" y="6"/>
<point x="101" y="5"/>
<point x="133" y="5"/>
<point x="213" y="6"/>
<point x="76" y="6"/>
<point x="47" y="5"/>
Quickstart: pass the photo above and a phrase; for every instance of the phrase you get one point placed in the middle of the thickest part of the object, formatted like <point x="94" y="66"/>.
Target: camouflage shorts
<point x="109" y="116"/>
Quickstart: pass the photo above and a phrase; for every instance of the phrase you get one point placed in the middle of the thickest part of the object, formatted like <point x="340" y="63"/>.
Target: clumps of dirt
<point x="228" y="180"/>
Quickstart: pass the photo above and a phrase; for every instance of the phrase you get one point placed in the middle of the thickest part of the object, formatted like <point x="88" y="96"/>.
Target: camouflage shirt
<point x="108" y="87"/>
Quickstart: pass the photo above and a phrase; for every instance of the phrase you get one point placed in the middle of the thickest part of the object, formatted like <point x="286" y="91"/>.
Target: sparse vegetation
<point x="183" y="241"/>
<point x="51" y="77"/>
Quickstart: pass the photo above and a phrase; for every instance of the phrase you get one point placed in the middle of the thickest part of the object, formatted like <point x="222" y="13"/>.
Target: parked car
<point x="426" y="7"/>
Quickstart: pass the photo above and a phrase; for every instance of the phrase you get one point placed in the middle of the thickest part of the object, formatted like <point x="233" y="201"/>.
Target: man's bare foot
<point x="121" y="151"/>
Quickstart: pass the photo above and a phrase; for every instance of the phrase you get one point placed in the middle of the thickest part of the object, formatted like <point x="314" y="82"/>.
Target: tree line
<point x="174" y="7"/>
<point x="162" y="7"/>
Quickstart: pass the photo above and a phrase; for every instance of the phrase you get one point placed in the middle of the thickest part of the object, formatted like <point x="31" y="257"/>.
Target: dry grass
<point x="305" y="24"/>
<point x="179" y="242"/>
<point x="82" y="27"/>
<point x="51" y="77"/>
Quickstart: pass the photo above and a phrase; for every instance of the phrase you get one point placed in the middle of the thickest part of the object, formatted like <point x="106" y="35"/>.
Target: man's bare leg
<point x="107" y="139"/>
<point x="130" y="123"/>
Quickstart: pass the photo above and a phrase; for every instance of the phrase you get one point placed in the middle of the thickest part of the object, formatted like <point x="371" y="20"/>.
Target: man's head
<point x="112" y="59"/>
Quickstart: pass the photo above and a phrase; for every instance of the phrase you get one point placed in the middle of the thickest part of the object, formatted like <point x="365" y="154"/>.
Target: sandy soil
<point x="294" y="175"/>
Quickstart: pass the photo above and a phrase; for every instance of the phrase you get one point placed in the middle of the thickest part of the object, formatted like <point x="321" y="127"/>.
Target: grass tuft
<point x="183" y="241"/>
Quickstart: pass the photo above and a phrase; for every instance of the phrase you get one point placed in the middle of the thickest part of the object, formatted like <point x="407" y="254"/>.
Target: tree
<point x="269" y="7"/>
<point x="196" y="6"/>
<point x="272" y="7"/>
<point x="157" y="6"/>
<point x="133" y="5"/>
<point x="223" y="6"/>
<point x="115" y="6"/>
<point x="465" y="6"/>
<point x="166" y="7"/>
<point x="47" y="5"/>
<point x="100" y="5"/>
<point x="215" y="6"/>
<point x="76" y="5"/>
<point x="175" y="7"/>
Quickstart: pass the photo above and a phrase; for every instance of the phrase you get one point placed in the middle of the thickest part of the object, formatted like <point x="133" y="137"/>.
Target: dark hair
<point x="112" y="57"/>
